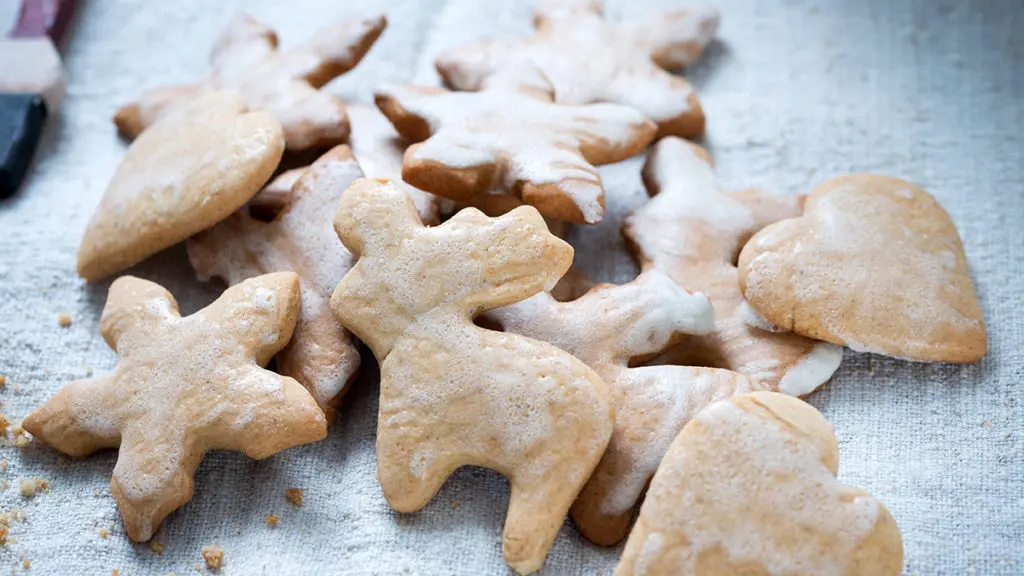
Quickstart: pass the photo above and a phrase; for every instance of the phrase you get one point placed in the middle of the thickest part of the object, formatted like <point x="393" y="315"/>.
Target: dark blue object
<point x="21" y="127"/>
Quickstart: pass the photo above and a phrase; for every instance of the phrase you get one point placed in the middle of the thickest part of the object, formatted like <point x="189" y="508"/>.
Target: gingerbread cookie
<point x="378" y="149"/>
<point x="749" y="487"/>
<point x="181" y="387"/>
<point x="875" y="264"/>
<point x="272" y="198"/>
<point x="607" y="328"/>
<point x="322" y="355"/>
<point x="186" y="173"/>
<point x="283" y="83"/>
<point x="589" y="59"/>
<point x="693" y="230"/>
<point x="471" y="143"/>
<point x="455" y="394"/>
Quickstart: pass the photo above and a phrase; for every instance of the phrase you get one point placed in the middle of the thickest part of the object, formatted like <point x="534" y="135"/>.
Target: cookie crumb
<point x="3" y="535"/>
<point x="986" y="424"/>
<point x="454" y="505"/>
<point x="294" y="495"/>
<point x="115" y="572"/>
<point x="157" y="547"/>
<point x="3" y="461"/>
<point x="29" y="488"/>
<point x="271" y="520"/>
<point x="103" y="532"/>
<point x="4" y="485"/>
<point x="19" y="437"/>
<point x="26" y="564"/>
<point x="64" y="319"/>
<point x="4" y="423"/>
<point x="214" y="557"/>
<point x="3" y="382"/>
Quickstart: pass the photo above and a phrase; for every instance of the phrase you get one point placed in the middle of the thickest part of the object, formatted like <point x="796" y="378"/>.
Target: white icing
<point x="532" y="141"/>
<point x="300" y="239"/>
<point x="873" y="275"/>
<point x="760" y="463"/>
<point x="589" y="59"/>
<point x="812" y="370"/>
<point x="379" y="150"/>
<point x="754" y="318"/>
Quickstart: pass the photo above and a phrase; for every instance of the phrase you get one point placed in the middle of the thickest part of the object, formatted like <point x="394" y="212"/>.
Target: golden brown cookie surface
<point x="607" y="328"/>
<point x="322" y="355"/>
<point x="455" y="394"/>
<point x="183" y="386"/>
<point x="473" y="143"/>
<point x="749" y="487"/>
<point x="188" y="172"/>
<point x="284" y="83"/>
<point x="587" y="58"/>
<point x="874" y="263"/>
<point x="692" y="230"/>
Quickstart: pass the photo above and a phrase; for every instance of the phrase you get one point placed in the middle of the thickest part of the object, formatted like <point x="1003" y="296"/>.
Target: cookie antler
<point x="183" y="386"/>
<point x="371" y="215"/>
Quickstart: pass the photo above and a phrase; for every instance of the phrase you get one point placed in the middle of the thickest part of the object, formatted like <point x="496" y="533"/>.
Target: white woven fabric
<point x="796" y="92"/>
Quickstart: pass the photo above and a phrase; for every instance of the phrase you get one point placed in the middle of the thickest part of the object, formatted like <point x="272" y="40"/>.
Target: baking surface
<point x="795" y="92"/>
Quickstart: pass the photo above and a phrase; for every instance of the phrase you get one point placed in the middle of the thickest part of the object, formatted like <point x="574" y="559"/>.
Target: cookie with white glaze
<point x="874" y="263"/>
<point x="588" y="58"/>
<point x="322" y="355"/>
<point x="749" y="487"/>
<point x="186" y="173"/>
<point x="692" y="230"/>
<point x="283" y="83"/>
<point x="453" y="393"/>
<point x="500" y="140"/>
<point x="183" y="386"/>
<point x="607" y="328"/>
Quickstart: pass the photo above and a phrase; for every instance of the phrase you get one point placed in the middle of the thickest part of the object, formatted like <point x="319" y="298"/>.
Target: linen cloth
<point x="795" y="92"/>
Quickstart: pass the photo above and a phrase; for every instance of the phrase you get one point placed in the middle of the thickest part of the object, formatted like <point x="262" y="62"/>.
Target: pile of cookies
<point x="429" y="229"/>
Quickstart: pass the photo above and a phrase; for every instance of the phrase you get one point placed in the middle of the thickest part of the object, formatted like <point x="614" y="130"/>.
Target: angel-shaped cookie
<point x="587" y="58"/>
<point x="322" y="355"/>
<point x="608" y="327"/>
<point x="182" y="387"/>
<point x="693" y="230"/>
<point x="284" y="83"/>
<point x="453" y="393"/>
<point x="472" y="143"/>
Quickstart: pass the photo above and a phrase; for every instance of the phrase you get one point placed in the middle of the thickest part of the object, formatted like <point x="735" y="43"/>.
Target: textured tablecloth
<point x="796" y="91"/>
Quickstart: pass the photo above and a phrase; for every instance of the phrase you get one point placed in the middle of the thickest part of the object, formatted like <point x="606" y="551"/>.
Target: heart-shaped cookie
<point x="874" y="263"/>
<point x="749" y="488"/>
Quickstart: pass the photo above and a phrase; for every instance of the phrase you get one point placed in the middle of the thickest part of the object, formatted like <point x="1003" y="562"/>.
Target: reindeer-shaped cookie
<point x="453" y="393"/>
<point x="607" y="328"/>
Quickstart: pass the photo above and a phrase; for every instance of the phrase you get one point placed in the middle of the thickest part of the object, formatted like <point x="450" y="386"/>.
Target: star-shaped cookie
<point x="181" y="387"/>
<point x="693" y="230"/>
<point x="284" y="83"/>
<point x="322" y="355"/>
<point x="587" y="58"/>
<point x="607" y="328"/>
<point x="471" y="143"/>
